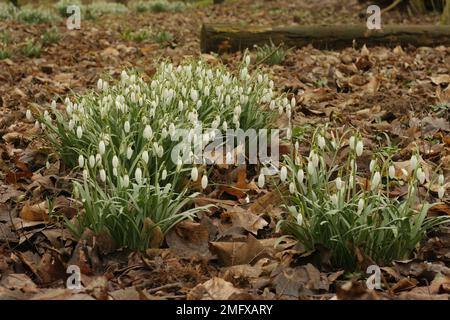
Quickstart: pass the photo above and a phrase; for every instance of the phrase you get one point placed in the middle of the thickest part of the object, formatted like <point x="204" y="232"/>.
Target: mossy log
<point x="230" y="38"/>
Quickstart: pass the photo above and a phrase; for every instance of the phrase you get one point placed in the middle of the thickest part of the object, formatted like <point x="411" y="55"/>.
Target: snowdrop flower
<point x="80" y="161"/>
<point x="372" y="165"/>
<point x="126" y="127"/>
<point x="352" y="142"/>
<point x="164" y="175"/>
<point x="101" y="147"/>
<point x="145" y="156"/>
<point x="125" y="181"/>
<point x="404" y="172"/>
<point x="129" y="153"/>
<point x="441" y="179"/>
<point x="292" y="188"/>
<point x="293" y="102"/>
<point x="360" y="205"/>
<point x="283" y="174"/>
<point x="71" y="124"/>
<point x="28" y="115"/>
<point x="204" y="182"/>
<point x="359" y="148"/>
<point x="311" y="168"/>
<point x="224" y="126"/>
<point x="299" y="219"/>
<point x="115" y="173"/>
<point x="102" y="175"/>
<point x="261" y="180"/>
<point x="247" y="59"/>
<point x="300" y="175"/>
<point x="167" y="188"/>
<point x="321" y="142"/>
<point x="244" y="73"/>
<point x="100" y="84"/>
<point x="148" y="132"/>
<point x="375" y="180"/>
<point x="413" y="162"/>
<point x="79" y="132"/>
<point x="420" y="175"/>
<point x="85" y="174"/>
<point x="314" y="158"/>
<point x="37" y="125"/>
<point x="194" y="174"/>
<point x="441" y="192"/>
<point x="339" y="183"/>
<point x="138" y="175"/>
<point x="289" y="133"/>
<point x="179" y="164"/>
<point x="351" y="180"/>
<point x="194" y="95"/>
<point x="115" y="162"/>
<point x="391" y="172"/>
<point x="91" y="161"/>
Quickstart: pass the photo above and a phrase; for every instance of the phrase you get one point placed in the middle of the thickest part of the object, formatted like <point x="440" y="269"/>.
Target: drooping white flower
<point x="194" y="174"/>
<point x="126" y="127"/>
<point x="376" y="179"/>
<point x="339" y="183"/>
<point x="300" y="219"/>
<point x="80" y="161"/>
<point x="247" y="60"/>
<point x="321" y="142"/>
<point x="138" y="175"/>
<point x="283" y="173"/>
<point x="129" y="153"/>
<point x="314" y="158"/>
<point x="352" y="142"/>
<point x="404" y="172"/>
<point x="311" y="168"/>
<point x="28" y="115"/>
<point x="100" y="84"/>
<point x="85" y="174"/>
<point x="441" y="192"/>
<point x="204" y="181"/>
<point x="292" y="188"/>
<point x="115" y="172"/>
<point x="194" y="95"/>
<point x="148" y="132"/>
<point x="441" y="179"/>
<point x="359" y="148"/>
<point x="293" y="102"/>
<point x="125" y="181"/>
<point x="300" y="175"/>
<point x="391" y="172"/>
<point x="372" y="165"/>
<point x="360" y="205"/>
<point x="145" y="156"/>
<point x="261" y="180"/>
<point x="420" y="175"/>
<point x="101" y="147"/>
<point x="115" y="162"/>
<point x="102" y="175"/>
<point x="79" y="132"/>
<point x="413" y="162"/>
<point x="91" y="161"/>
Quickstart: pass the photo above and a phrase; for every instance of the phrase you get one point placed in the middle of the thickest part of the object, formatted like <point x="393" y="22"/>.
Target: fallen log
<point x="230" y="38"/>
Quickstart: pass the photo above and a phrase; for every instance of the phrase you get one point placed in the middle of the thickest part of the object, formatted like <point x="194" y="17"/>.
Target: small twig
<point x="166" y="286"/>
<point x="391" y="6"/>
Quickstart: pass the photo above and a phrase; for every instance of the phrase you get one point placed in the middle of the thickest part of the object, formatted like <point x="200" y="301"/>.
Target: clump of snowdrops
<point x="333" y="205"/>
<point x="121" y="137"/>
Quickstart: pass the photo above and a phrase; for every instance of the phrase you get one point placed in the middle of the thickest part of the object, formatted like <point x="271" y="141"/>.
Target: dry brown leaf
<point x="36" y="212"/>
<point x="213" y="289"/>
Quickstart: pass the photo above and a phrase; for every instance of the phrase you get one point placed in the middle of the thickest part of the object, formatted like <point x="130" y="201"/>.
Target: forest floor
<point x="232" y="252"/>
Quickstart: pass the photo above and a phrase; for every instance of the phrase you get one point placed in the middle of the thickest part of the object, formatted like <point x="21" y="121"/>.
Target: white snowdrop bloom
<point x="145" y="156"/>
<point x="391" y="172"/>
<point x="244" y="73"/>
<point x="115" y="172"/>
<point x="28" y="115"/>
<point x="101" y="147"/>
<point x="199" y="104"/>
<point x="125" y="181"/>
<point x="227" y="100"/>
<point x="102" y="175"/>
<point x="126" y="127"/>
<point x="85" y="174"/>
<point x="334" y="198"/>
<point x="359" y="148"/>
<point x="404" y="172"/>
<point x="124" y="76"/>
<point x="194" y="95"/>
<point x="194" y="174"/>
<point x="180" y="105"/>
<point x="289" y="133"/>
<point x="283" y="174"/>
<point x="53" y="105"/>
<point x="311" y="169"/>
<point x="167" y="188"/>
<point x="100" y="84"/>
<point x="413" y="162"/>
<point x="360" y="205"/>
<point x="314" y="158"/>
<point x="441" y="179"/>
<point x="148" y="132"/>
<point x="376" y="179"/>
<point x="204" y="181"/>
<point x="37" y="124"/>
<point x="372" y="165"/>
<point x="164" y="175"/>
<point x="271" y="84"/>
<point x="206" y="91"/>
<point x="115" y="162"/>
<point x="164" y="133"/>
<point x="300" y="175"/>
<point x="224" y="126"/>
<point x="80" y="161"/>
<point x="91" y="161"/>
<point x="129" y="153"/>
<point x="105" y="86"/>
<point x="321" y="142"/>
<point x="98" y="158"/>
<point x="138" y="175"/>
<point x="247" y="60"/>
<point x="71" y="124"/>
<point x="79" y="132"/>
<point x="351" y="180"/>
<point x="292" y="188"/>
<point x="179" y="164"/>
<point x="339" y="183"/>
<point x="352" y="142"/>
<point x="353" y="165"/>
<point x="420" y="175"/>
<point x="300" y="219"/>
<point x="160" y="151"/>
<point x="260" y="78"/>
<point x="261" y="180"/>
<point x="280" y="110"/>
<point x="293" y="102"/>
<point x="441" y="192"/>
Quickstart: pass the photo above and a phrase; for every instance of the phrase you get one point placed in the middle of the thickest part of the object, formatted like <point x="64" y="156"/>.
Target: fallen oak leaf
<point x="36" y="212"/>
